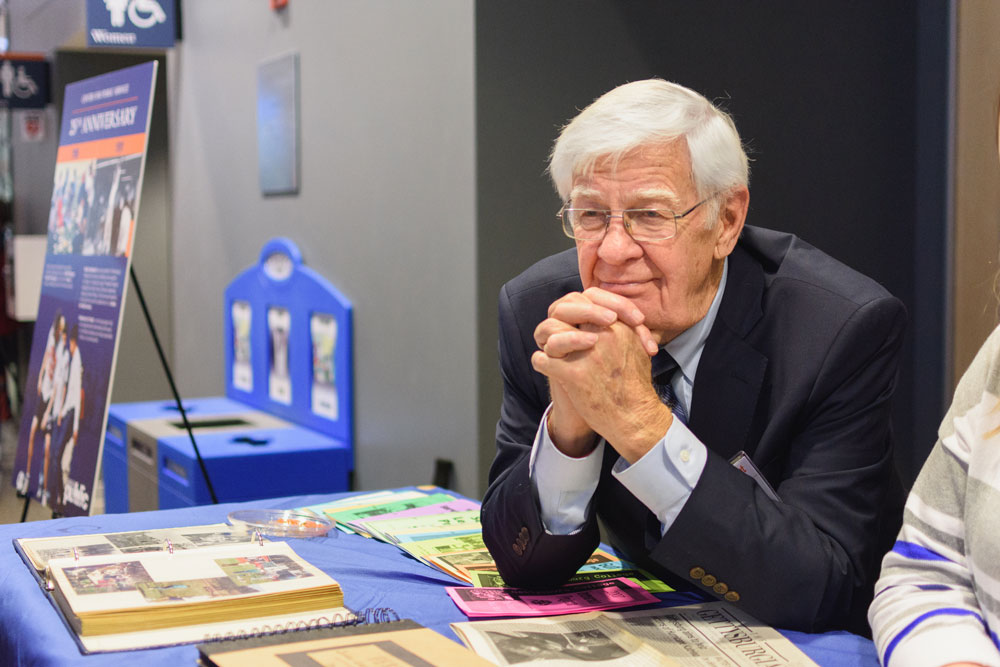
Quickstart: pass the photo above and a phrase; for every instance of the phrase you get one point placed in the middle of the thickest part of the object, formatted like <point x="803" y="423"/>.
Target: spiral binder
<point x="366" y="621"/>
<point x="369" y="616"/>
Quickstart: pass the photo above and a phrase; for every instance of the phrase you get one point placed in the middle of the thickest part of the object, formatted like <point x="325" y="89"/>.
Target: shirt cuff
<point x="564" y="485"/>
<point x="665" y="476"/>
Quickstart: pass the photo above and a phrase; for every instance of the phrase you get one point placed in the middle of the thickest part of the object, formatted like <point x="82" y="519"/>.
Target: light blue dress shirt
<point x="662" y="479"/>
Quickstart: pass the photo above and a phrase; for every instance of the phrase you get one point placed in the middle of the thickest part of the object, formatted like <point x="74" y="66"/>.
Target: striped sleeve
<point x="926" y="611"/>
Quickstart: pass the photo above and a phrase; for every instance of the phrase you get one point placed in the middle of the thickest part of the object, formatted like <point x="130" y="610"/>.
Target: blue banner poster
<point x="92" y="216"/>
<point x="131" y="23"/>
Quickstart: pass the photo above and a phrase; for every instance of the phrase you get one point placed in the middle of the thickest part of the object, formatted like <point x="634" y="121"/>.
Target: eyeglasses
<point x="642" y="224"/>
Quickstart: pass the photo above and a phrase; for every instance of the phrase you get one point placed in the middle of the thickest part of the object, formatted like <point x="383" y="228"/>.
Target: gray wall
<point x="386" y="209"/>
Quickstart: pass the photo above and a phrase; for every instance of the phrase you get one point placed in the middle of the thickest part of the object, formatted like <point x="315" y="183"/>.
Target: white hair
<point x="646" y="112"/>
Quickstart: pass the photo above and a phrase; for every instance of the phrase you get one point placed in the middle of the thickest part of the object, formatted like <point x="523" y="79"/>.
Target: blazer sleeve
<point x="808" y="561"/>
<point x="526" y="556"/>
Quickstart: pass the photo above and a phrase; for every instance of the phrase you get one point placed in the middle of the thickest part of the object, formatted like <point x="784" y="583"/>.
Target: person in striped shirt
<point x="937" y="601"/>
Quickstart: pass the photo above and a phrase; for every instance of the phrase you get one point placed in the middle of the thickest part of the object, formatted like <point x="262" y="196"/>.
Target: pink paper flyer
<point x="569" y="599"/>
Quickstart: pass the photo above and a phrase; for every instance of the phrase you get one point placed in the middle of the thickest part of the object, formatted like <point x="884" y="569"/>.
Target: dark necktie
<point x="666" y="391"/>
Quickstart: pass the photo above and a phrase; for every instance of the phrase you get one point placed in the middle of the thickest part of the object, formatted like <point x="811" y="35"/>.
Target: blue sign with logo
<point x="24" y="83"/>
<point x="141" y="23"/>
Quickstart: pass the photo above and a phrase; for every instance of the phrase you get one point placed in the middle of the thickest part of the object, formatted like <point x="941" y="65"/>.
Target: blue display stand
<point x="289" y="354"/>
<point x="300" y="334"/>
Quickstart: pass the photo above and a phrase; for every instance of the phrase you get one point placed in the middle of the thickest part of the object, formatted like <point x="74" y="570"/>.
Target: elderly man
<point x="640" y="365"/>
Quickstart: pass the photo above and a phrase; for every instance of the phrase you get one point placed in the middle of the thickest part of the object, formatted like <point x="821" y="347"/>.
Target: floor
<point x="11" y="507"/>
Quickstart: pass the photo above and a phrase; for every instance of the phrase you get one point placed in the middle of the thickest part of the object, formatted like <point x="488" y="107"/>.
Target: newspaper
<point x="712" y="634"/>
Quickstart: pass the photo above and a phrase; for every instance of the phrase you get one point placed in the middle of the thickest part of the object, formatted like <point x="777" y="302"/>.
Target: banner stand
<point x="173" y="389"/>
<point x="27" y="501"/>
<point x="91" y="227"/>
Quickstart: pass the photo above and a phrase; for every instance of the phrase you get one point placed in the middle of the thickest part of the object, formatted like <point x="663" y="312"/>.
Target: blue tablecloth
<point x="372" y="575"/>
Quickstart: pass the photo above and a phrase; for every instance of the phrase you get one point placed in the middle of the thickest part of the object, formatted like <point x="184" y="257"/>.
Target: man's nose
<point x="618" y="246"/>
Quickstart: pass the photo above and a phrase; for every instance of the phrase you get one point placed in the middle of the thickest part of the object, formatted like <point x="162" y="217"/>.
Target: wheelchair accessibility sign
<point x="24" y="81"/>
<point x="142" y="23"/>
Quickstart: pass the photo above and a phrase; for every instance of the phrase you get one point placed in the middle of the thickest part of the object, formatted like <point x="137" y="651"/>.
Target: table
<point x="372" y="574"/>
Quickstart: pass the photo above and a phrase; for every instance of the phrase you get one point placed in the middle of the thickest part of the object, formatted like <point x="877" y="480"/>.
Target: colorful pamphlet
<point x="445" y="532"/>
<point x="444" y="545"/>
<point x="487" y="579"/>
<point x="568" y="599"/>
<point x="389" y="529"/>
<point x="447" y="507"/>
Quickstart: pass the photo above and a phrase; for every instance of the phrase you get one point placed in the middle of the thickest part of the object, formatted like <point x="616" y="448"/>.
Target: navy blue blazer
<point x="798" y="371"/>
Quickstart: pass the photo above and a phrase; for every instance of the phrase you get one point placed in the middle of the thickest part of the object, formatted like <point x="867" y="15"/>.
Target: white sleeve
<point x="664" y="478"/>
<point x="564" y="485"/>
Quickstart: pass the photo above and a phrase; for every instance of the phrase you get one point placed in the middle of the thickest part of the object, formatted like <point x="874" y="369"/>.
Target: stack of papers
<point x="444" y="532"/>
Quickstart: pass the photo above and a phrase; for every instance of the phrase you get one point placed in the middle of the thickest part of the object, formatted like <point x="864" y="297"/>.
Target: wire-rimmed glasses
<point x="642" y="224"/>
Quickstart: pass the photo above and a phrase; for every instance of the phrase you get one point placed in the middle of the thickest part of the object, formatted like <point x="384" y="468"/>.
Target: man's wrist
<point x="576" y="445"/>
<point x="641" y="429"/>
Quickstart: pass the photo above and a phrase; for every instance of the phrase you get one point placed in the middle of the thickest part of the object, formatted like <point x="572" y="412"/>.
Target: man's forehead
<point x="667" y="163"/>
<point x="586" y="191"/>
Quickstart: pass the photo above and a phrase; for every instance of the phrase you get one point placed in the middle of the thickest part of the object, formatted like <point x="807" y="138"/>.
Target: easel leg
<point x="173" y="387"/>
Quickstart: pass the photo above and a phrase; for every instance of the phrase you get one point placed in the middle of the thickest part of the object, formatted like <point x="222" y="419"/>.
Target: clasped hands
<point x="595" y="350"/>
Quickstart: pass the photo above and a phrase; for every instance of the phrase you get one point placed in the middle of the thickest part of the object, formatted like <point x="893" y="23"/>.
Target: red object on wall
<point x="279" y="4"/>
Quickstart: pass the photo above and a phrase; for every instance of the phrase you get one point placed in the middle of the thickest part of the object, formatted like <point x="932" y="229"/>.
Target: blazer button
<point x="697" y="572"/>
<point x="709" y="580"/>
<point x="732" y="596"/>
<point x="521" y="541"/>
<point x="720" y="588"/>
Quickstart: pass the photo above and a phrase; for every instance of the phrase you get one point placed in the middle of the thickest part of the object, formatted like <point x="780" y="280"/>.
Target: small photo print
<point x="260" y="569"/>
<point x="93" y="207"/>
<point x="242" y="366"/>
<point x="101" y="549"/>
<point x="192" y="589"/>
<point x="517" y="646"/>
<point x="279" y="323"/>
<point x="323" y="329"/>
<point x="209" y="539"/>
<point x="137" y="542"/>
<point x="466" y="558"/>
<point x="484" y="594"/>
<point x="106" y="577"/>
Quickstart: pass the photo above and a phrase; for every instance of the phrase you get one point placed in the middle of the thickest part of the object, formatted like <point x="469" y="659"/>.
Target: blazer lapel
<point x="731" y="373"/>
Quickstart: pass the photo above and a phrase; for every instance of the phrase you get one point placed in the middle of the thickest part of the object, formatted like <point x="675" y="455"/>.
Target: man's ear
<point x="732" y="215"/>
